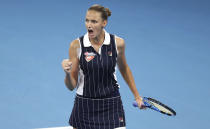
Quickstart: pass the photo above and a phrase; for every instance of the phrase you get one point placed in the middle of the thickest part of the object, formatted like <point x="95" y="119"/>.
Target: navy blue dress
<point x="98" y="103"/>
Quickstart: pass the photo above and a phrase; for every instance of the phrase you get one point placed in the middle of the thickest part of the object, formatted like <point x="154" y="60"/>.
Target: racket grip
<point x="135" y="104"/>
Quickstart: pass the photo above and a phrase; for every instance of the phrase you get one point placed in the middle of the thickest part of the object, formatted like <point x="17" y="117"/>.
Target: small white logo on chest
<point x="89" y="56"/>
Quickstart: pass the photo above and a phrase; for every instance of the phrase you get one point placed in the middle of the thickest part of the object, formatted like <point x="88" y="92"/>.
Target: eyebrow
<point x="86" y="19"/>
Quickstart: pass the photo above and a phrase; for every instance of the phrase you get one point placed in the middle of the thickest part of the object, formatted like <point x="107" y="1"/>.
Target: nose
<point x="88" y="24"/>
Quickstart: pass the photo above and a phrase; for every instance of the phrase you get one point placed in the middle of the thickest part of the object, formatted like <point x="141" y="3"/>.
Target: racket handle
<point x="135" y="104"/>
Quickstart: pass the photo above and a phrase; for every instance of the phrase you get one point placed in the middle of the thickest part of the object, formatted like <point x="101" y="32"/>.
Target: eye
<point x="94" y="21"/>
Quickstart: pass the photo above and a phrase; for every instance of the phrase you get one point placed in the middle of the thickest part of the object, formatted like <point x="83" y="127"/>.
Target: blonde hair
<point x="105" y="12"/>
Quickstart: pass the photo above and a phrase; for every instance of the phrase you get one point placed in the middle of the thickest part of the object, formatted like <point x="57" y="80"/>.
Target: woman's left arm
<point x="126" y="72"/>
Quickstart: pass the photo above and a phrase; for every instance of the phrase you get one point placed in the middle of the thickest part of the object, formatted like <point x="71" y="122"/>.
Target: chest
<point x="101" y="58"/>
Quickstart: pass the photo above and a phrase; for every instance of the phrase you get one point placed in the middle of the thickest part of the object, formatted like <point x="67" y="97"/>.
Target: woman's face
<point x="94" y="23"/>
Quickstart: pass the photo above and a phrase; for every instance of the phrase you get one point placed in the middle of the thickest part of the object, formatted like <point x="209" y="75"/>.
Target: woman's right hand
<point x="67" y="65"/>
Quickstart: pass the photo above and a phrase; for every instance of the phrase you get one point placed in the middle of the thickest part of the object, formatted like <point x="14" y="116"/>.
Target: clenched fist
<point x="67" y="65"/>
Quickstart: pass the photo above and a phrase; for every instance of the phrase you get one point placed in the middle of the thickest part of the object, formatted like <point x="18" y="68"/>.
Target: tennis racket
<point x="157" y="106"/>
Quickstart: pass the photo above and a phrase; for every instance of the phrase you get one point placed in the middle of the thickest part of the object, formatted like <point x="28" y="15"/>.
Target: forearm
<point x="128" y="77"/>
<point x="69" y="82"/>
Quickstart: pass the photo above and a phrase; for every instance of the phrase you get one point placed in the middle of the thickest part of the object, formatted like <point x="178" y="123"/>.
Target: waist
<point x="112" y="95"/>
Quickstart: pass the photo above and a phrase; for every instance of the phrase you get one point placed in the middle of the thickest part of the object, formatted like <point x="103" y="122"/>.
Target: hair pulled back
<point x="105" y="12"/>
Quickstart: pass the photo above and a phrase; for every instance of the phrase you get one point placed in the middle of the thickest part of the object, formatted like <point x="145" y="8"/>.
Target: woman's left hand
<point x="140" y="103"/>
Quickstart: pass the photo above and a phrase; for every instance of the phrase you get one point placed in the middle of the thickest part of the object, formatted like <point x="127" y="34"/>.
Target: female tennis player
<point x="91" y="70"/>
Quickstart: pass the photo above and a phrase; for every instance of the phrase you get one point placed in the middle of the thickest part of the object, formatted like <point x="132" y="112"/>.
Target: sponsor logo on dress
<point x="89" y="56"/>
<point x="121" y="119"/>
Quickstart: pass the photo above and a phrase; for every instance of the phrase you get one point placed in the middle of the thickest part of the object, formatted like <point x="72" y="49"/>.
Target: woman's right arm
<point x="71" y="66"/>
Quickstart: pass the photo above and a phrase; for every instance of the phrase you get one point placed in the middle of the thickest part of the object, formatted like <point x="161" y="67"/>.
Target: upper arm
<point x="73" y="57"/>
<point x="121" y="60"/>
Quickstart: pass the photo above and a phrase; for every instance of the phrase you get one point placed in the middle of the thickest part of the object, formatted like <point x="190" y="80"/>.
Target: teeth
<point x="90" y="30"/>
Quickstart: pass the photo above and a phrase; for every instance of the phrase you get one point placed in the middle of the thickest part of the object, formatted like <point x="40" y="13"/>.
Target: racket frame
<point x="148" y="103"/>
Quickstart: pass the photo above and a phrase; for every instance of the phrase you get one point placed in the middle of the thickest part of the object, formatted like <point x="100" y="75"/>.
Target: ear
<point x="104" y="23"/>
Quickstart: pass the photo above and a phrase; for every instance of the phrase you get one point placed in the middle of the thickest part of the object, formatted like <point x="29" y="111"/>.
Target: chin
<point x="91" y="37"/>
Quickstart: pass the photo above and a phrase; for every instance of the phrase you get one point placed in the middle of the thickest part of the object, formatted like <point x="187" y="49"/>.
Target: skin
<point x="95" y="22"/>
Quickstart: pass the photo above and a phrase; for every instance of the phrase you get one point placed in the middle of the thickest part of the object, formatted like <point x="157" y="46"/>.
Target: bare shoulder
<point x="74" y="49"/>
<point x="120" y="45"/>
<point x="120" y="42"/>
<point x="75" y="44"/>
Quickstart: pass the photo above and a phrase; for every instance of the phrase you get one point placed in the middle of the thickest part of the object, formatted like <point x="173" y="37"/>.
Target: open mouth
<point x="90" y="31"/>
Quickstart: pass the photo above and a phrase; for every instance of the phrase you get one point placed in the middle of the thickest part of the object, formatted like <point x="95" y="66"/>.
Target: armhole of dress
<point x="79" y="51"/>
<point x="116" y="67"/>
<point x="116" y="42"/>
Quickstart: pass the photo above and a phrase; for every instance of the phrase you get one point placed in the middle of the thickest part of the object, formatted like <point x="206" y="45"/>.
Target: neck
<point x="99" y="39"/>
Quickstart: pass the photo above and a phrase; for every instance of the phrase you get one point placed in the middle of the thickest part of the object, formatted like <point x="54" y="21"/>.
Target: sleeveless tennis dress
<point x="98" y="103"/>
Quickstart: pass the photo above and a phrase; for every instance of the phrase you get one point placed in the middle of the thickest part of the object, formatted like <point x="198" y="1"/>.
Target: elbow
<point x="69" y="85"/>
<point x="124" y="69"/>
<point x="71" y="88"/>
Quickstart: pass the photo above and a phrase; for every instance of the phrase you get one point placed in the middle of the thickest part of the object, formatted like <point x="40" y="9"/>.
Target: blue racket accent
<point x="148" y="102"/>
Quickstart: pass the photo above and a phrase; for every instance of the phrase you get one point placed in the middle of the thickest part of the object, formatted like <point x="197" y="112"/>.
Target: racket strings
<point x="162" y="107"/>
